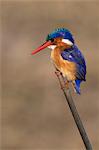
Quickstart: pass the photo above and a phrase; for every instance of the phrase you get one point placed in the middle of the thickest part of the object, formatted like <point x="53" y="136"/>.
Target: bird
<point x="66" y="56"/>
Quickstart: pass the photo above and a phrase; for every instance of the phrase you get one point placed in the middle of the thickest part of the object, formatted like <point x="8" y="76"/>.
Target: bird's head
<point x="60" y="37"/>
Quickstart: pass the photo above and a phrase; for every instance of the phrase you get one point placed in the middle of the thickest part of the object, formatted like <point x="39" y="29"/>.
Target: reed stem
<point x="75" y="115"/>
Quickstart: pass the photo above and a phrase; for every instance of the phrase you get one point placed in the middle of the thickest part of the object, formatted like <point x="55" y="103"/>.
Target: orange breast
<point x="67" y="68"/>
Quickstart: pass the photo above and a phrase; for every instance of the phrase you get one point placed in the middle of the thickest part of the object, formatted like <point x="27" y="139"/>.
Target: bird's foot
<point x="63" y="82"/>
<point x="59" y="75"/>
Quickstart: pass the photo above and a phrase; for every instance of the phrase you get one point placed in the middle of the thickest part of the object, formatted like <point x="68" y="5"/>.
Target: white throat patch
<point x="67" y="42"/>
<point x="52" y="47"/>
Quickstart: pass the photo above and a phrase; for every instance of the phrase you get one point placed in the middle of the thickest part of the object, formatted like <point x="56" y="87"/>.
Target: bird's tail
<point x="77" y="86"/>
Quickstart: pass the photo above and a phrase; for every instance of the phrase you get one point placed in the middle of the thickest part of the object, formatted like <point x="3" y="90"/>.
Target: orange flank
<point x="67" y="68"/>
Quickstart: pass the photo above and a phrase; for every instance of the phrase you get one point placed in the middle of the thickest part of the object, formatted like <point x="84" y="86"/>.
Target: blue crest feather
<point x="60" y="32"/>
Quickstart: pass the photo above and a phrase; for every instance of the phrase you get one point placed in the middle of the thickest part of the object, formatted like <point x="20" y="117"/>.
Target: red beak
<point x="46" y="44"/>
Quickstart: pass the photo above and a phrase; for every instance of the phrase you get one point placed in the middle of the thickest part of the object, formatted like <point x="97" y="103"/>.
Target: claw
<point x="59" y="75"/>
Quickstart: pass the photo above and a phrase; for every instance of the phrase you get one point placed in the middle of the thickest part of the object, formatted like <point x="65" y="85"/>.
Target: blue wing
<point x="74" y="55"/>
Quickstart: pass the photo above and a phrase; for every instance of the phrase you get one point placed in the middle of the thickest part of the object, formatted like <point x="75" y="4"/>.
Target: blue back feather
<point x="73" y="54"/>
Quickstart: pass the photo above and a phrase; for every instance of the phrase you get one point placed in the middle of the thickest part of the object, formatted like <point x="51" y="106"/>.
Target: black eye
<point x="52" y="40"/>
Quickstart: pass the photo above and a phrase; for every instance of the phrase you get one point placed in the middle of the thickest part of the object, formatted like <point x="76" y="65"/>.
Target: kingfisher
<point x="66" y="56"/>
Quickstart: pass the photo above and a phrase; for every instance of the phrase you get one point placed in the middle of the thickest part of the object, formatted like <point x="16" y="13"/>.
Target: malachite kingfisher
<point x="66" y="56"/>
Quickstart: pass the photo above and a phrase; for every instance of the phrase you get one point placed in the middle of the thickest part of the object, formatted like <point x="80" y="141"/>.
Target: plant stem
<point x="76" y="116"/>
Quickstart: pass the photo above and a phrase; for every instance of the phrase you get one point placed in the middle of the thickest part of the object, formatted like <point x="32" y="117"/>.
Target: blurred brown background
<point x="35" y="115"/>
